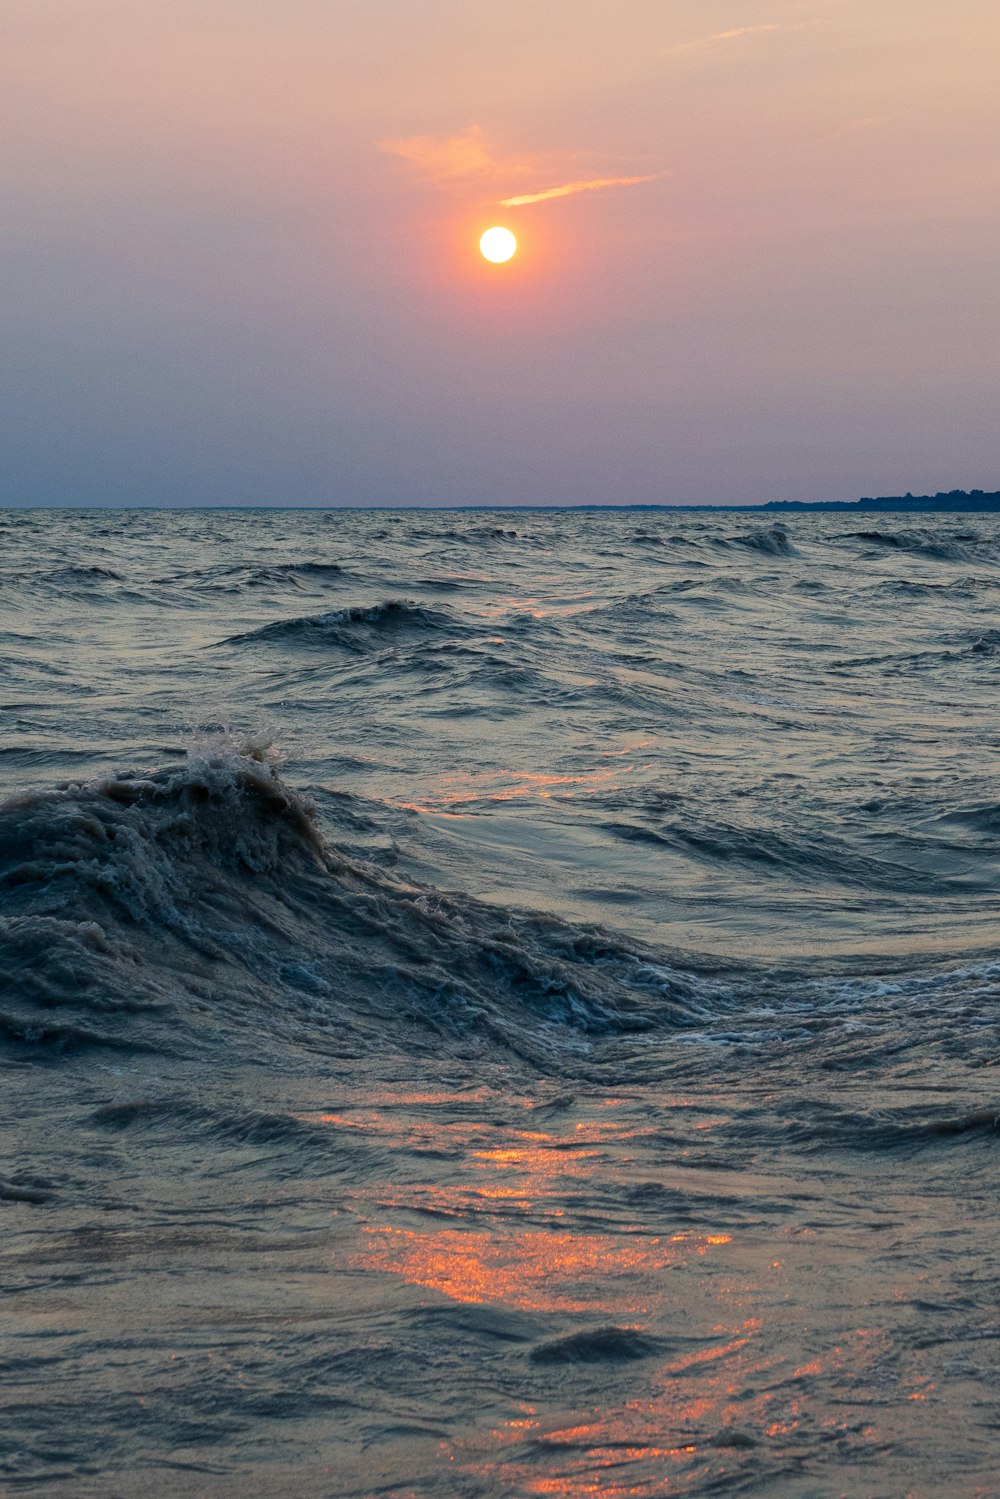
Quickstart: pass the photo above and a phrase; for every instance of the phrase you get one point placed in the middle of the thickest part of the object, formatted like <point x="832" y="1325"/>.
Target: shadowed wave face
<point x="595" y="1003"/>
<point x="157" y="911"/>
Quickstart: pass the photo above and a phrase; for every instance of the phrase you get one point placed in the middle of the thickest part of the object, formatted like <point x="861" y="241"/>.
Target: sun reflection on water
<point x="543" y="1271"/>
<point x="525" y="1209"/>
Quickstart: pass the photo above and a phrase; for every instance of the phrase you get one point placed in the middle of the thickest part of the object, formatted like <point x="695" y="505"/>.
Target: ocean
<point x="499" y="1003"/>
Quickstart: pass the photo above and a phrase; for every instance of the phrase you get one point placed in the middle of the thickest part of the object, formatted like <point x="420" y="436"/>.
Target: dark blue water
<point x="497" y="1003"/>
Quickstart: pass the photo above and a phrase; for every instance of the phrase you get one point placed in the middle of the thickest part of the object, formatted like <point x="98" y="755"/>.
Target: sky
<point x="239" y="251"/>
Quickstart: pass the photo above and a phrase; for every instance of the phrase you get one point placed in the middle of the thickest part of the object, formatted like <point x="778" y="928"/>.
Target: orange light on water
<point x="536" y="1271"/>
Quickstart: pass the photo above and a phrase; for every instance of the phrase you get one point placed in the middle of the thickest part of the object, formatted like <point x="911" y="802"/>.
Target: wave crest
<point x="773" y="541"/>
<point x="353" y="628"/>
<point x="961" y="546"/>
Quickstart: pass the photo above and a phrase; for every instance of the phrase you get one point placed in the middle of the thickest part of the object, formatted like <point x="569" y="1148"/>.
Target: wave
<point x="355" y="628"/>
<point x="78" y="575"/>
<point x="961" y="546"/>
<point x="981" y="817"/>
<point x="152" y="909"/>
<point x="244" y="576"/>
<point x="200" y="910"/>
<point x="773" y="541"/>
<point x="471" y="533"/>
<point x="767" y="852"/>
<point x="635" y="611"/>
<point x="916" y="589"/>
<point x="599" y="1345"/>
<point x="69" y="582"/>
<point x="312" y="569"/>
<point x="983" y="644"/>
<point x="819" y="1124"/>
<point x="972" y="646"/>
<point x="248" y="577"/>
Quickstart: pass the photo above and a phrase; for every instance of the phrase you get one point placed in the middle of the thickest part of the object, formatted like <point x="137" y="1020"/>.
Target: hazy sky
<point x="239" y="264"/>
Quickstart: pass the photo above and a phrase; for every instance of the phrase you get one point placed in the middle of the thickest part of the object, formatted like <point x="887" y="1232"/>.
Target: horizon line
<point x="899" y="501"/>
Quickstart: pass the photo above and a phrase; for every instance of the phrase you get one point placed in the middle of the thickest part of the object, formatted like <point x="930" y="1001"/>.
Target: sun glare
<point x="498" y="245"/>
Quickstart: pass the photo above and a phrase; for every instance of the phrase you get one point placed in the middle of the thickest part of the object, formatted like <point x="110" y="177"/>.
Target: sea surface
<point x="499" y="1003"/>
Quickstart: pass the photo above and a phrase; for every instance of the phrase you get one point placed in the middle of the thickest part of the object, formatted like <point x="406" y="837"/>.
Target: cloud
<point x="470" y="157"/>
<point x="444" y="158"/>
<point x="734" y="34"/>
<point x="592" y="185"/>
<point x="855" y="127"/>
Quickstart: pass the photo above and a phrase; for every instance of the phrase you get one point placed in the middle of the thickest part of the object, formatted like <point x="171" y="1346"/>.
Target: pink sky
<point x="238" y="255"/>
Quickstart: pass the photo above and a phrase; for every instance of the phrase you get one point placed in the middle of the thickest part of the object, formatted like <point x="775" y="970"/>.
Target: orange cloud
<point x="592" y="185"/>
<point x="443" y="158"/>
<point x="734" y="34"/>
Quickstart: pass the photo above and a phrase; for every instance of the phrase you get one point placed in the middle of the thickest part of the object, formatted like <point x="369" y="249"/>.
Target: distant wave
<point x="470" y="533"/>
<point x="962" y="546"/>
<point x="71" y="582"/>
<point x="77" y="574"/>
<point x="246" y="576"/>
<point x="773" y="542"/>
<point x="352" y="628"/>
<point x="914" y="588"/>
<point x="312" y="569"/>
<point x="971" y="646"/>
<point x="635" y="611"/>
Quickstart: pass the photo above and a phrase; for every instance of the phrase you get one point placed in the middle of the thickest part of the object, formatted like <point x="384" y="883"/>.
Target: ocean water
<point x="499" y="1004"/>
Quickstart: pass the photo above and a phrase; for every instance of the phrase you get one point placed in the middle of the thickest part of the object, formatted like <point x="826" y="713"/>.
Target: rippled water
<point x="499" y="1004"/>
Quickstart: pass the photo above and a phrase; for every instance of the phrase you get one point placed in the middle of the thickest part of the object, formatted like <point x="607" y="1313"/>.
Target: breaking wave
<point x="150" y="908"/>
<point x="163" y="911"/>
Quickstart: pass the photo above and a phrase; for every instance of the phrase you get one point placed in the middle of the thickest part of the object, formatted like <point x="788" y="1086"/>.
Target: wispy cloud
<point x="592" y="185"/>
<point x="735" y="34"/>
<point x="855" y="127"/>
<point x="471" y="158"/>
<point x="444" y="158"/>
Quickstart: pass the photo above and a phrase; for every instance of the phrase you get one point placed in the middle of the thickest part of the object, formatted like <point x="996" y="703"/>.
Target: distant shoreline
<point x="955" y="499"/>
<point x="975" y="500"/>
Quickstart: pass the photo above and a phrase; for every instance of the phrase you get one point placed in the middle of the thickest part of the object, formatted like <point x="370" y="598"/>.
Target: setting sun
<point x="498" y="245"/>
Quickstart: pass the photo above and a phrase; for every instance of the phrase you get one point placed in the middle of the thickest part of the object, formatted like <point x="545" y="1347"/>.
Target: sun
<point x="498" y="245"/>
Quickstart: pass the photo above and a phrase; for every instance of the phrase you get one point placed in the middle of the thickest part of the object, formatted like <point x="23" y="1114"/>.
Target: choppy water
<point x="499" y="1004"/>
